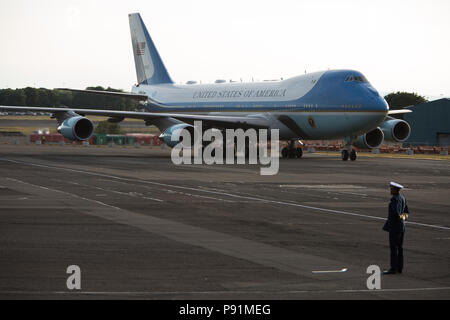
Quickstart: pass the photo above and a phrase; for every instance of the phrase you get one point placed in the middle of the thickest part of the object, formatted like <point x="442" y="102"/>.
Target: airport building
<point x="430" y="123"/>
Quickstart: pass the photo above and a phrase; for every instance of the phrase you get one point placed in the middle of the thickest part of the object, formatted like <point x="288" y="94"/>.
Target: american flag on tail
<point x="140" y="46"/>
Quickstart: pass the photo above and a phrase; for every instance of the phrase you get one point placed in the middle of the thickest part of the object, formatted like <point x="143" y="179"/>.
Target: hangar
<point x="430" y="123"/>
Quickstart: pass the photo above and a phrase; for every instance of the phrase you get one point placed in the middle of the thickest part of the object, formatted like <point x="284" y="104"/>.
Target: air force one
<point x="334" y="104"/>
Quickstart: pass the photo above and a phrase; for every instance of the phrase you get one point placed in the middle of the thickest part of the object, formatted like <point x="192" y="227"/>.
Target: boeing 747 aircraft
<point x="335" y="104"/>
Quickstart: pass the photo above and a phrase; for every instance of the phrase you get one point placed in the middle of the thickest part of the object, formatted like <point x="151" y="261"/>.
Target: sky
<point x="398" y="45"/>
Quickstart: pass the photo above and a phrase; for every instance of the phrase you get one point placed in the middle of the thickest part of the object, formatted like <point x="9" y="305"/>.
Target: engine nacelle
<point x="396" y="130"/>
<point x="172" y="135"/>
<point x="77" y="128"/>
<point x="369" y="140"/>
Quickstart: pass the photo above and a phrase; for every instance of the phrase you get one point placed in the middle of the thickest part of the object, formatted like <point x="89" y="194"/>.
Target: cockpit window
<point x="356" y="79"/>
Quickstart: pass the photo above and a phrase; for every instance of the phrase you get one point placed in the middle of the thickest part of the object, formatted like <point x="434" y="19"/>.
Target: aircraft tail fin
<point x="149" y="67"/>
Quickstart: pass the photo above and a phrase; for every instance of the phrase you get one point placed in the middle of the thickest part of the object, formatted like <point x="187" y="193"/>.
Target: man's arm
<point x="394" y="215"/>
<point x="406" y="208"/>
<point x="405" y="213"/>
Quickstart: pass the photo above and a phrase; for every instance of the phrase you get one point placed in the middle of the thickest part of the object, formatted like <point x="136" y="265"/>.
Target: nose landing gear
<point x="345" y="155"/>
<point x="348" y="152"/>
<point x="353" y="155"/>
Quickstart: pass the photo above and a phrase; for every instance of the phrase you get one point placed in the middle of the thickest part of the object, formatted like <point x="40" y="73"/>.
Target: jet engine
<point x="76" y="128"/>
<point x="173" y="135"/>
<point x="369" y="140"/>
<point x="396" y="130"/>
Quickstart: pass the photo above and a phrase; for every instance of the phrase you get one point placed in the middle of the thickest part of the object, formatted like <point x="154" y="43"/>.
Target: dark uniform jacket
<point x="397" y="206"/>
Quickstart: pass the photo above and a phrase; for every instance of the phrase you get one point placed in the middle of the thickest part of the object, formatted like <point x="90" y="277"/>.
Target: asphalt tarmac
<point x="140" y="227"/>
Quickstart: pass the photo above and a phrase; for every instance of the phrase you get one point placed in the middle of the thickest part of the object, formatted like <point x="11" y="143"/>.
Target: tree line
<point x="399" y="100"/>
<point x="42" y="97"/>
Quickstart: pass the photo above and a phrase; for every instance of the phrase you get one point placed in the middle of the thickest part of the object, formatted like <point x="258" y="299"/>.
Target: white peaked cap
<point x="397" y="185"/>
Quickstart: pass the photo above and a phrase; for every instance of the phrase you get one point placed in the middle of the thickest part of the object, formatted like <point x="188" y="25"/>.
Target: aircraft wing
<point x="215" y="121"/>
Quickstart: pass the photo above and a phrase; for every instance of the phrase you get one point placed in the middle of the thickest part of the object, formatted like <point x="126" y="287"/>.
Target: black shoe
<point x="390" y="271"/>
<point x="399" y="271"/>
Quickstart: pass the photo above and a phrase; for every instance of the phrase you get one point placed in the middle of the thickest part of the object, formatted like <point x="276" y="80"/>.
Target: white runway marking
<point x="195" y="195"/>
<point x="65" y="193"/>
<point x="130" y="194"/>
<point x="284" y="203"/>
<point x="241" y="248"/>
<point x="145" y="293"/>
<point x="171" y="191"/>
<point x="331" y="271"/>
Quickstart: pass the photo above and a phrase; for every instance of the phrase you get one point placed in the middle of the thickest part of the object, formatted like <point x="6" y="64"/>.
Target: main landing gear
<point x="348" y="152"/>
<point x="345" y="155"/>
<point x="291" y="151"/>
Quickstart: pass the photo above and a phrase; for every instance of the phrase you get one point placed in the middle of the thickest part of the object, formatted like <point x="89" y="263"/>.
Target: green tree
<point x="91" y="100"/>
<point x="42" y="97"/>
<point x="10" y="97"/>
<point x="32" y="96"/>
<point x="400" y="100"/>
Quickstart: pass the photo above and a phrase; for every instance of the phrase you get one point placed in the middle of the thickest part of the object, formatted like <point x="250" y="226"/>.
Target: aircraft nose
<point x="384" y="105"/>
<point x="378" y="102"/>
<point x="381" y="104"/>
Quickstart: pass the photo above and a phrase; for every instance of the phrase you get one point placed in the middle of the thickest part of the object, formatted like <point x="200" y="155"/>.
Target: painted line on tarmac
<point x="259" y="253"/>
<point x="331" y="271"/>
<point x="169" y="191"/>
<point x="330" y="211"/>
<point x="144" y="293"/>
<point x="65" y="193"/>
<point x="134" y="194"/>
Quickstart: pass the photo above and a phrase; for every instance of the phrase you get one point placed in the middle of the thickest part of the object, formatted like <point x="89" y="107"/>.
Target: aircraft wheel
<point x="353" y="155"/>
<point x="292" y="153"/>
<point x="299" y="152"/>
<point x="344" y="155"/>
<point x="284" y="153"/>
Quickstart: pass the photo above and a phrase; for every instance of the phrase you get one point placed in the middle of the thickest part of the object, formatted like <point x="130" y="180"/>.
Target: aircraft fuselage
<point x="321" y="105"/>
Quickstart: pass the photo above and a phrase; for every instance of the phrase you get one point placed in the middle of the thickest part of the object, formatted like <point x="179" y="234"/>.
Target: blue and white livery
<point x="323" y="105"/>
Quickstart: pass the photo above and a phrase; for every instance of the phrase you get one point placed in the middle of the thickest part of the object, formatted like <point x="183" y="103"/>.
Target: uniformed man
<point x="395" y="225"/>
